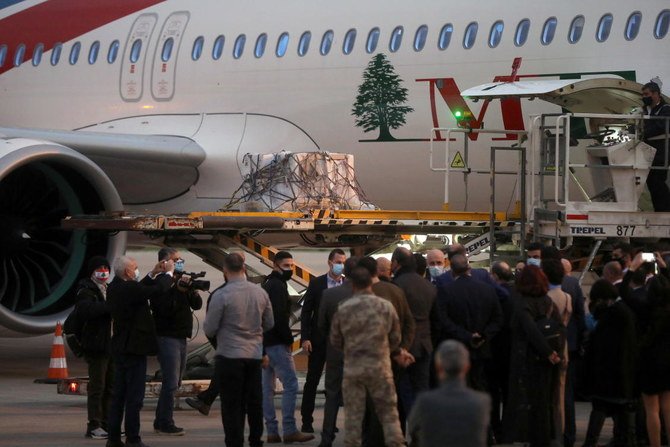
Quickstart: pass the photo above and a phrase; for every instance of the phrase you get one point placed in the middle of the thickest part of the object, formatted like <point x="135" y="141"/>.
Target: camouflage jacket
<point x="367" y="330"/>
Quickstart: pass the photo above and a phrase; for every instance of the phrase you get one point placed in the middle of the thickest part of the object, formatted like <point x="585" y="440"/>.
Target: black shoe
<point x="199" y="405"/>
<point x="307" y="428"/>
<point x="111" y="443"/>
<point x="172" y="430"/>
<point x="136" y="444"/>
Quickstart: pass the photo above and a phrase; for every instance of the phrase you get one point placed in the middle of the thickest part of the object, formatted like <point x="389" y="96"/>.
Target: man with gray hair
<point x="453" y="414"/>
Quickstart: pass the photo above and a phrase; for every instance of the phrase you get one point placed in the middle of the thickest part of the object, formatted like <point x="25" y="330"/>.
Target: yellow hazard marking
<point x="458" y="162"/>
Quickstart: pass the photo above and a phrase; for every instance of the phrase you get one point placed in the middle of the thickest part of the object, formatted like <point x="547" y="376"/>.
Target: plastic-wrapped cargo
<point x="300" y="181"/>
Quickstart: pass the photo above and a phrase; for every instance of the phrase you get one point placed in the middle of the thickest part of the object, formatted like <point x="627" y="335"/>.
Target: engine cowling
<point x="40" y="264"/>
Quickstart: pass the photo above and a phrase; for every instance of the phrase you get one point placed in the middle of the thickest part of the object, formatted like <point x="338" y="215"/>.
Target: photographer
<point x="174" y="324"/>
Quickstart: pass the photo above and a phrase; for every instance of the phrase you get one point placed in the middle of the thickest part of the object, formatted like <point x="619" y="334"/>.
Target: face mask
<point x="534" y="261"/>
<point x="101" y="275"/>
<point x="286" y="274"/>
<point x="137" y="274"/>
<point x="435" y="271"/>
<point x="646" y="100"/>
<point x="338" y="269"/>
<point x="179" y="266"/>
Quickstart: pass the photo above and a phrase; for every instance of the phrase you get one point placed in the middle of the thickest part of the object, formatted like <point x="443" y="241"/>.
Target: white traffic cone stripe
<point x="57" y="363"/>
<point x="58" y="340"/>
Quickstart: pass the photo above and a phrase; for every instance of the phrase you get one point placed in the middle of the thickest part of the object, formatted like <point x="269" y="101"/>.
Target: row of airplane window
<point x="575" y="31"/>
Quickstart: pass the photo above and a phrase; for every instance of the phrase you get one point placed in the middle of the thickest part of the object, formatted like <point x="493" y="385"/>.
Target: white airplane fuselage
<point x="147" y="69"/>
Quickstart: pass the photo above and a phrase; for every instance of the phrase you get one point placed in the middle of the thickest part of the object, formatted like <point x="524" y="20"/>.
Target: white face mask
<point x="435" y="271"/>
<point x="534" y="261"/>
<point x="137" y="274"/>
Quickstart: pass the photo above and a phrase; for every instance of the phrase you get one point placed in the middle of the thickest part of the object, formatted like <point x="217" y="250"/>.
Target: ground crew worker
<point x="655" y="135"/>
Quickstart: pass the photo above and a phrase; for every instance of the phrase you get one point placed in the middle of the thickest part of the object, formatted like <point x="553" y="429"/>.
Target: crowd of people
<point x="429" y="351"/>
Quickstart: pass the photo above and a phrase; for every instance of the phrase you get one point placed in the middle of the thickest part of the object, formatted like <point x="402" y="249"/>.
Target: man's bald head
<point x="612" y="272"/>
<point x="435" y="258"/>
<point x="383" y="267"/>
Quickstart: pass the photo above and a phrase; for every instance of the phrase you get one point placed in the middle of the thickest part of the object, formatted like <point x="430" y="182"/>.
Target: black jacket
<point x="420" y="296"/>
<point x="133" y="325"/>
<point x="309" y="316"/>
<point x="172" y="312"/>
<point x="611" y="356"/>
<point x="93" y="312"/>
<point x="277" y="290"/>
<point x="467" y="306"/>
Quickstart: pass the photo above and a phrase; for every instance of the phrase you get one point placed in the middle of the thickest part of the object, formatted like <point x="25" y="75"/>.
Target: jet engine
<point x="40" y="264"/>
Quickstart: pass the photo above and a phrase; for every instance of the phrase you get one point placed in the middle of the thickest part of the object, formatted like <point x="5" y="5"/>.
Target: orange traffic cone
<point x="58" y="364"/>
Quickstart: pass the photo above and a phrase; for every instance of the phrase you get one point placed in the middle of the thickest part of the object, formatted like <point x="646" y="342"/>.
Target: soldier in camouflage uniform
<point x="367" y="330"/>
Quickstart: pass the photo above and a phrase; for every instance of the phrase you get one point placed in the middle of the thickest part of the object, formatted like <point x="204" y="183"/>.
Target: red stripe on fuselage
<point x="60" y="21"/>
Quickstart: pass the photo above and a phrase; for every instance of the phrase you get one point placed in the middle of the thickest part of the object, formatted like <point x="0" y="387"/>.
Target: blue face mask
<point x="435" y="271"/>
<point x="338" y="269"/>
<point x="179" y="266"/>
<point x="534" y="261"/>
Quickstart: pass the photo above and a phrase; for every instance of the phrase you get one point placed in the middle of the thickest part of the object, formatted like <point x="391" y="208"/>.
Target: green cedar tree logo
<point x="379" y="104"/>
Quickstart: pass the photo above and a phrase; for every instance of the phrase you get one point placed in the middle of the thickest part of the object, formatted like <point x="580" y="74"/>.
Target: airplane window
<point x="135" y="51"/>
<point x="604" y="28"/>
<point x="633" y="25"/>
<point x="303" y="44"/>
<point x="93" y="52"/>
<point x="326" y="42"/>
<point x="37" y="54"/>
<point x="196" y="52"/>
<point x="576" y="29"/>
<point x="282" y="45"/>
<point x="445" y="36"/>
<point x="113" y="52"/>
<point x="217" y="49"/>
<point x="662" y="24"/>
<point x="420" y="37"/>
<point x="349" y="41"/>
<point x="238" y="49"/>
<point x="496" y="33"/>
<point x="74" y="52"/>
<point x="55" y="53"/>
<point x="373" y="40"/>
<point x="549" y="30"/>
<point x="167" y="49"/>
<point x="260" y="45"/>
<point x="18" y="55"/>
<point x="3" y="54"/>
<point x="521" y="34"/>
<point x="470" y="35"/>
<point x="396" y="39"/>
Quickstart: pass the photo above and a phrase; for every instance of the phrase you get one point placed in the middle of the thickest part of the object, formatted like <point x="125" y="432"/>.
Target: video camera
<point x="194" y="283"/>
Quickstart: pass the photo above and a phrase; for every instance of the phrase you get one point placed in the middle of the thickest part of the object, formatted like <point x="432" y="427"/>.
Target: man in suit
<point x="451" y="415"/>
<point x="478" y="273"/>
<point x="313" y="339"/>
<point x="470" y="313"/>
<point x="420" y="296"/>
<point x="330" y="301"/>
<point x="133" y="340"/>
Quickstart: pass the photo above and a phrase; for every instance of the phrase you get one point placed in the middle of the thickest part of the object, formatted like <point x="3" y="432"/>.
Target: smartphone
<point x="648" y="257"/>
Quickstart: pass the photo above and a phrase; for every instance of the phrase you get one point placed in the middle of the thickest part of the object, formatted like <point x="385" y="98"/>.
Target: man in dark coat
<point x="451" y="415"/>
<point x="133" y="340"/>
<point x="95" y="338"/>
<point x="330" y="301"/>
<point x="655" y="135"/>
<point x="278" y="359"/>
<point x="312" y="338"/>
<point x="173" y="316"/>
<point x="611" y="366"/>
<point x="420" y="296"/>
<point x="470" y="313"/>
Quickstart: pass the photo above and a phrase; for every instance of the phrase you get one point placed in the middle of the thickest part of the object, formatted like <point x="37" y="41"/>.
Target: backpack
<point x="553" y="332"/>
<point x="72" y="329"/>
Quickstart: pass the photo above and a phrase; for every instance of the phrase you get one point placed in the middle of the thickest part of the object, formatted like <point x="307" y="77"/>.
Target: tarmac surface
<point x="35" y="415"/>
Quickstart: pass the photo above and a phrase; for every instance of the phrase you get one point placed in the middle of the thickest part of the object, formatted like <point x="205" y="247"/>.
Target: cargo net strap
<point x="302" y="181"/>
